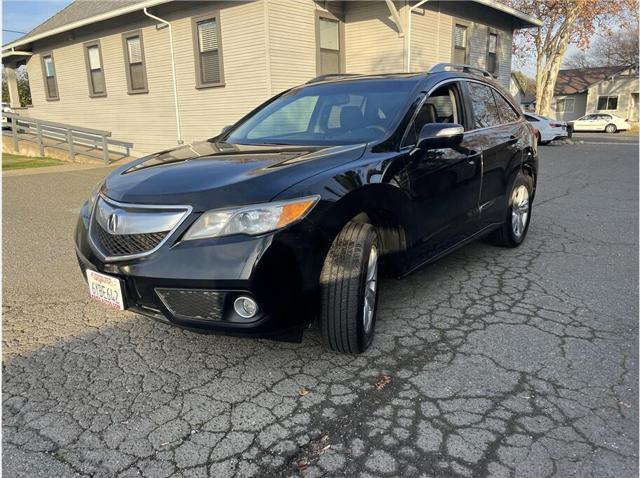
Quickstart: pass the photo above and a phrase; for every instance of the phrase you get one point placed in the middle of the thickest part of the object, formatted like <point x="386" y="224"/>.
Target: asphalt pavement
<point x="490" y="362"/>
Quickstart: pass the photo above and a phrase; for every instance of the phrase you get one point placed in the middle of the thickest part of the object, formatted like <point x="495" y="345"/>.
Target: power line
<point x="13" y="31"/>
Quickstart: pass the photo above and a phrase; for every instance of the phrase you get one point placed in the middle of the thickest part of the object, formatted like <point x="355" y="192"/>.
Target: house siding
<point x="431" y="37"/>
<point x="267" y="46"/>
<point x="621" y="86"/>
<point x="372" y="40"/>
<point x="148" y="119"/>
<point x="579" y="108"/>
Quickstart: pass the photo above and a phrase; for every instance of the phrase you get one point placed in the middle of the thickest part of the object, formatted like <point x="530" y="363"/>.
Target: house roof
<point x="578" y="80"/>
<point x="84" y="12"/>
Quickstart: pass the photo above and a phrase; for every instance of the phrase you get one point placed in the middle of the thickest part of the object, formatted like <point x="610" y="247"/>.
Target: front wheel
<point x="611" y="128"/>
<point x="518" y="214"/>
<point x="349" y="289"/>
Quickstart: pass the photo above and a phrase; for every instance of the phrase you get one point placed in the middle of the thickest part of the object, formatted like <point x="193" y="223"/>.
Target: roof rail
<point x="331" y="75"/>
<point x="440" y="67"/>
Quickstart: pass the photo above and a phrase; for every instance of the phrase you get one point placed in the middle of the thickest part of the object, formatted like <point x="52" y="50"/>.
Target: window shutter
<point x="135" y="52"/>
<point x="209" y="52"/>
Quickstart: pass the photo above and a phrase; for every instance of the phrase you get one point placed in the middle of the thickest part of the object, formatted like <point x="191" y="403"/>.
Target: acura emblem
<point x="112" y="223"/>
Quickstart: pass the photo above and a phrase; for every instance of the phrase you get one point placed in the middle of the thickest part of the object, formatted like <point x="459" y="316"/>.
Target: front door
<point x="444" y="183"/>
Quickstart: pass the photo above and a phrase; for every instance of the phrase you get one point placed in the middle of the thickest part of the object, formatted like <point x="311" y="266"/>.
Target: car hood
<point x="210" y="175"/>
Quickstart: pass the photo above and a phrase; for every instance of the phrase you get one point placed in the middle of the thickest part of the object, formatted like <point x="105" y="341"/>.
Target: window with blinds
<point x="492" y="53"/>
<point x="329" y="48"/>
<point x="460" y="44"/>
<point x="135" y="64"/>
<point x="95" y="72"/>
<point x="49" y="74"/>
<point x="208" y="51"/>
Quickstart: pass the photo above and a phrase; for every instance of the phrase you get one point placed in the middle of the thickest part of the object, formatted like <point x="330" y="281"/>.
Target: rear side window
<point x="485" y="111"/>
<point x="507" y="113"/>
<point x="531" y="118"/>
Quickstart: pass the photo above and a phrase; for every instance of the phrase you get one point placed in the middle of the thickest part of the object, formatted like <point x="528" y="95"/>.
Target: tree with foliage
<point x="24" y="93"/>
<point x="565" y="22"/>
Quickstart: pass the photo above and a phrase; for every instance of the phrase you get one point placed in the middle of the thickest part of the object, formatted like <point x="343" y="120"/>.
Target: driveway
<point x="491" y="362"/>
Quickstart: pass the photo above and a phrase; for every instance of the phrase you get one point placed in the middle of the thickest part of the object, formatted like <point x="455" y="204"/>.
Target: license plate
<point x="105" y="289"/>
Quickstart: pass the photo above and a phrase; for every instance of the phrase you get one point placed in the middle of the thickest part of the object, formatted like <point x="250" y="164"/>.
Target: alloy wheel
<point x="370" y="289"/>
<point x="519" y="210"/>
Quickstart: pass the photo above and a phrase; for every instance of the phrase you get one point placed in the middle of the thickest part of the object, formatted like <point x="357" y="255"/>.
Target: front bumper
<point x="193" y="284"/>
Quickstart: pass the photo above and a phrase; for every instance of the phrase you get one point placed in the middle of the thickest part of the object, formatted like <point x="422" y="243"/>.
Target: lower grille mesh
<point x="126" y="244"/>
<point x="193" y="304"/>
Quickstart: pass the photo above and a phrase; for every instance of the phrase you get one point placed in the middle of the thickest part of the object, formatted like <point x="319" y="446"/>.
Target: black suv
<point x="291" y="214"/>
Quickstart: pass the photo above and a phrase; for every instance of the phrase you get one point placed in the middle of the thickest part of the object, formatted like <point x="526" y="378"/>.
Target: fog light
<point x="245" y="307"/>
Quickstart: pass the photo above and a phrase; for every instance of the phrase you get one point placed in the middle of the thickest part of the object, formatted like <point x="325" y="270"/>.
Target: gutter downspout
<point x="173" y="71"/>
<point x="408" y="38"/>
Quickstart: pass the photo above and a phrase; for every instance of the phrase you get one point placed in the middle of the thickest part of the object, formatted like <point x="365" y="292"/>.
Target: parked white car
<point x="6" y="109"/>
<point x="601" y="122"/>
<point x="549" y="129"/>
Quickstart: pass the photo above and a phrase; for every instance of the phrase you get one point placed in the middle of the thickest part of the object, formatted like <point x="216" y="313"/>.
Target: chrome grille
<point x="126" y="244"/>
<point x="120" y="231"/>
<point x="193" y="304"/>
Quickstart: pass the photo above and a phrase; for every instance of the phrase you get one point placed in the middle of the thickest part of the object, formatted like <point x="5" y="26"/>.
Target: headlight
<point x="94" y="194"/>
<point x="251" y="220"/>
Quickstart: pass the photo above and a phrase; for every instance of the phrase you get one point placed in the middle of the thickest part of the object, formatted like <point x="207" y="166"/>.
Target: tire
<point x="348" y="290"/>
<point x="510" y="234"/>
<point x="611" y="128"/>
<point x="544" y="143"/>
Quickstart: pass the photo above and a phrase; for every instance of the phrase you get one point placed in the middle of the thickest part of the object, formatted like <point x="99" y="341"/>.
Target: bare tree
<point x="616" y="48"/>
<point x="564" y="22"/>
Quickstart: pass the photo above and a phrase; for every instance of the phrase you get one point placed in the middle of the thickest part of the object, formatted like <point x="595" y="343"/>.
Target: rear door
<point x="498" y="134"/>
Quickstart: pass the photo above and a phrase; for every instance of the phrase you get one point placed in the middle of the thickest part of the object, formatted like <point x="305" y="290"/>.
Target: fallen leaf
<point x="382" y="381"/>
<point x="625" y="404"/>
<point x="302" y="464"/>
<point x="303" y="391"/>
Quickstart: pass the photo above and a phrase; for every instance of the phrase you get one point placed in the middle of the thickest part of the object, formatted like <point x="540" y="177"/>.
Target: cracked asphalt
<point x="500" y="362"/>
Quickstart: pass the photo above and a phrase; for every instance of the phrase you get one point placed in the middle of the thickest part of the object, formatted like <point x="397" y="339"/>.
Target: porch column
<point x="12" y="83"/>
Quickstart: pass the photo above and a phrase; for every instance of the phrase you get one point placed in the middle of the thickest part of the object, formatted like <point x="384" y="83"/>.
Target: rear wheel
<point x="518" y="214"/>
<point x="349" y="289"/>
<point x="611" y="128"/>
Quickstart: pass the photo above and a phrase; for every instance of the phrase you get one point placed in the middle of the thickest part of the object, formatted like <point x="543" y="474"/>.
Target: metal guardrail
<point x="63" y="136"/>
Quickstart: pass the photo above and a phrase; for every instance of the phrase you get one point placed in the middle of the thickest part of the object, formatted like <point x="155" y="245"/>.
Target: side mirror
<point x="225" y="129"/>
<point x="440" y="135"/>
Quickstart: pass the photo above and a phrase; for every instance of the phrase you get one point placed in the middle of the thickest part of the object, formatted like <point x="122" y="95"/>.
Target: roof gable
<point x="577" y="80"/>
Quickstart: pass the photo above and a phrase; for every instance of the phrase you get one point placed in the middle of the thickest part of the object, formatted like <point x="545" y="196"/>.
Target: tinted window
<point x="485" y="111"/>
<point x="507" y="113"/>
<point x="327" y="114"/>
<point x="440" y="107"/>
<point x="531" y="118"/>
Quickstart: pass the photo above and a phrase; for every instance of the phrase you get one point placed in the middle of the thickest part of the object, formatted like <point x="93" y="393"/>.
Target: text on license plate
<point x="105" y="289"/>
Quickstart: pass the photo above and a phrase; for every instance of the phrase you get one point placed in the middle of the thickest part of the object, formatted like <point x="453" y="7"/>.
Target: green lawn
<point x="11" y="161"/>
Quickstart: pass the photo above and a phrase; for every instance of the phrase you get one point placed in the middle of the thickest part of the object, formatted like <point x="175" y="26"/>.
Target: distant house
<point x="161" y="72"/>
<point x="611" y="89"/>
<point x="525" y="100"/>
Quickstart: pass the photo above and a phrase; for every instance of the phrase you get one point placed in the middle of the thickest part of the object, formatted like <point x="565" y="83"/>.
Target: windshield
<point x="328" y="114"/>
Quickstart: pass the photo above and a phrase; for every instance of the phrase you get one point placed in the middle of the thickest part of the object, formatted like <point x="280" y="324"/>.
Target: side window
<point x="441" y="107"/>
<point x="290" y="119"/>
<point x="134" y="62"/>
<point x="49" y="74"/>
<point x="207" y="44"/>
<point x="485" y="111"/>
<point x="506" y="111"/>
<point x="531" y="118"/>
<point x="95" y="72"/>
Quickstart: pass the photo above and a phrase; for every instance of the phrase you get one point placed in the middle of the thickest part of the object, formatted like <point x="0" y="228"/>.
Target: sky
<point x="24" y="15"/>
